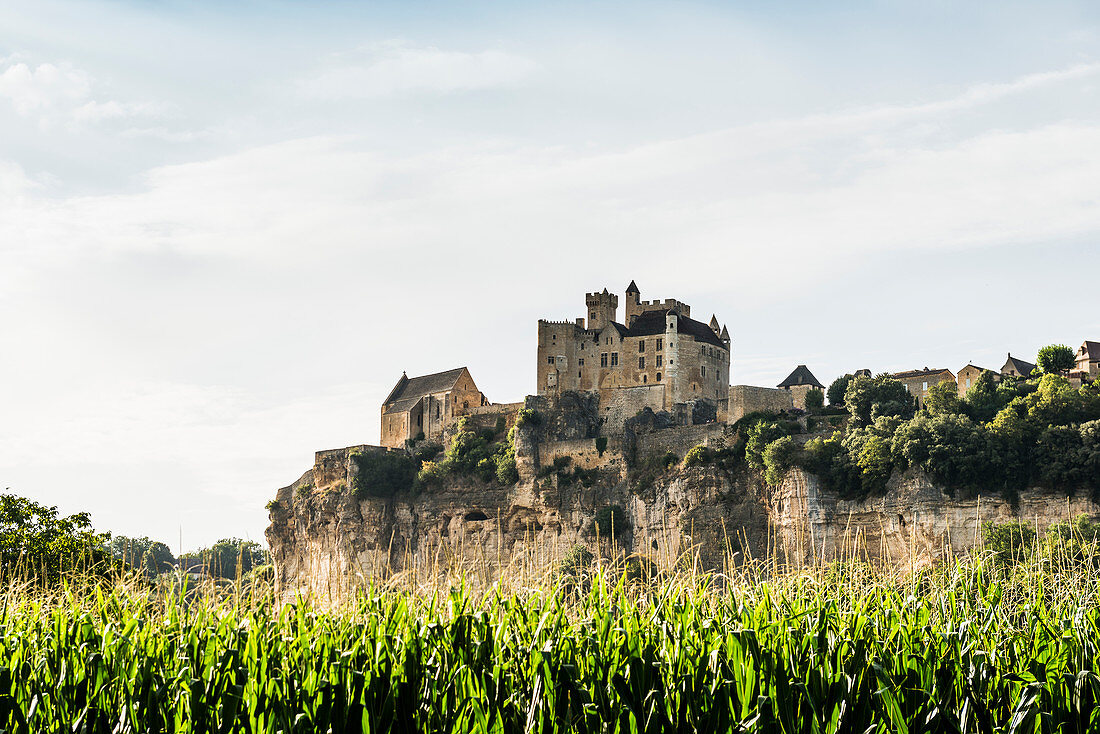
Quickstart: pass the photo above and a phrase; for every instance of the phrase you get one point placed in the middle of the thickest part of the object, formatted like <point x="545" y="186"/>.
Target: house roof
<point x="410" y="390"/>
<point x="909" y="374"/>
<point x="1021" y="367"/>
<point x="652" y="323"/>
<point x="1092" y="349"/>
<point x="983" y="369"/>
<point x="801" y="376"/>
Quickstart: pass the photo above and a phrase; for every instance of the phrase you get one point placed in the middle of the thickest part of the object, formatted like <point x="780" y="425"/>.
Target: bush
<point x="500" y="425"/>
<point x="601" y="444"/>
<point x="1009" y="542"/>
<point x="611" y="521"/>
<point x="697" y="456"/>
<point x="576" y="563"/>
<point x="815" y="401"/>
<point x="836" y="391"/>
<point x="528" y="417"/>
<point x="778" y="458"/>
<point x="670" y="459"/>
<point x="506" y="472"/>
<point x="383" y="474"/>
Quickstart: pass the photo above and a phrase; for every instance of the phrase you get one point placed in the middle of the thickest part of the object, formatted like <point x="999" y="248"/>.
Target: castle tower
<point x="633" y="304"/>
<point x="601" y="309"/>
<point x="714" y="326"/>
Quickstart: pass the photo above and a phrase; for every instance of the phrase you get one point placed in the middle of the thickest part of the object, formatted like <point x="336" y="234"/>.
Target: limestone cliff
<point x="325" y="537"/>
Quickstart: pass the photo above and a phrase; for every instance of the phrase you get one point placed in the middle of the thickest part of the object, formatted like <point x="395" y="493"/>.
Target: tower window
<point x="603" y="359"/>
<point x="580" y="362"/>
<point x="641" y="363"/>
<point x="644" y="378"/>
<point x="549" y="360"/>
<point x="703" y="370"/>
<point x="658" y="377"/>
<point x="659" y="343"/>
<point x="641" y="345"/>
<point x="614" y="359"/>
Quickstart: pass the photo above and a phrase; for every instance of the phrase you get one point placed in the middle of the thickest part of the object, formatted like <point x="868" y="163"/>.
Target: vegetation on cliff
<point x="999" y="437"/>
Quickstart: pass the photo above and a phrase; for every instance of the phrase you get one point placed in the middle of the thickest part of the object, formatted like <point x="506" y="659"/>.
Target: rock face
<point x="325" y="538"/>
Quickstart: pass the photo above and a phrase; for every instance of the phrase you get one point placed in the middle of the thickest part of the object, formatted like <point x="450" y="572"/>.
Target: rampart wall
<point x="745" y="399"/>
<point x="680" y="439"/>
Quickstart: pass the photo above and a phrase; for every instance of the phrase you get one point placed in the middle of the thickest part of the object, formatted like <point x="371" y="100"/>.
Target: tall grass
<point x="968" y="647"/>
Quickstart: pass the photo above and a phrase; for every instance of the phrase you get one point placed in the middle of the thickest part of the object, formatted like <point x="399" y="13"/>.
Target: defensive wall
<point x="680" y="439"/>
<point x="583" y="453"/>
<point x="745" y="399"/>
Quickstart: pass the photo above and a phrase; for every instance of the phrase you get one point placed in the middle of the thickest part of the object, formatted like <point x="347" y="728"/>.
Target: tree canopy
<point x="37" y="541"/>
<point x="1055" y="359"/>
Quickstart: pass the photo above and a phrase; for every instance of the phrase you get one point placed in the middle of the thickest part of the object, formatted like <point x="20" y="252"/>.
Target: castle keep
<point x="656" y="357"/>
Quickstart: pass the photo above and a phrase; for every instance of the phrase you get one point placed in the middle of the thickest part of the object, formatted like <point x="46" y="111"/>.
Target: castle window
<point x="659" y="358"/>
<point x="580" y="362"/>
<point x="593" y="315"/>
<point x="703" y="370"/>
<point x="659" y="341"/>
<point x="702" y="349"/>
<point x="641" y="345"/>
<point x="658" y="377"/>
<point x="641" y="363"/>
<point x="419" y="420"/>
<point x="926" y="386"/>
<point x="603" y="359"/>
<point x="614" y="359"/>
<point x="549" y="360"/>
<point x="644" y="378"/>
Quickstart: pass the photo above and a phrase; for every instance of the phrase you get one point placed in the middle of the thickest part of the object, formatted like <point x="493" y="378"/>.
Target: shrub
<point x="1009" y="542"/>
<point x="697" y="456"/>
<point x="432" y="472"/>
<point x="778" y="458"/>
<point x="837" y="389"/>
<point x="815" y="401"/>
<point x="500" y="425"/>
<point x="528" y="417"/>
<point x="383" y="474"/>
<point x="601" y="444"/>
<point x="576" y="563"/>
<point x="560" y="462"/>
<point x="611" y="521"/>
<point x="506" y="471"/>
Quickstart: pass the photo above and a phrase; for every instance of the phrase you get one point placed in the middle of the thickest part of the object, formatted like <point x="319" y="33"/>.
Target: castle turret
<point x="601" y="309"/>
<point x="714" y="326"/>
<point x="725" y="337"/>
<point x="633" y="304"/>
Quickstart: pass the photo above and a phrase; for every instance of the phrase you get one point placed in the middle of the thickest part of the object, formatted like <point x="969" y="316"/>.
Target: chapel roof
<point x="410" y="390"/>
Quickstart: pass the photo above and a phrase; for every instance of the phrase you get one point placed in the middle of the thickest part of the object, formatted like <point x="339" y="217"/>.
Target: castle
<point x="657" y="357"/>
<point x="658" y="353"/>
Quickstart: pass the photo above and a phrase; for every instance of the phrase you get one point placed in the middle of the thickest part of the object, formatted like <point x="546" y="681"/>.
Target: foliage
<point x="697" y="456"/>
<point x="778" y="458"/>
<point x="943" y="397"/>
<point x="1055" y="359"/>
<point x="965" y="648"/>
<point x="576" y="564"/>
<point x="601" y="444"/>
<point x="472" y="454"/>
<point x="836" y="390"/>
<point x="611" y="521"/>
<point x="815" y="401"/>
<point x="1009" y="542"/>
<point x="150" y="556"/>
<point x="37" y="542"/>
<point x="231" y="558"/>
<point x="950" y="448"/>
<point x="383" y="473"/>
<point x="760" y="434"/>
<point x="868" y="398"/>
<point x="528" y="417"/>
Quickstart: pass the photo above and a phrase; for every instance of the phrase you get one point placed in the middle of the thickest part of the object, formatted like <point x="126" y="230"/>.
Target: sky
<point x="227" y="228"/>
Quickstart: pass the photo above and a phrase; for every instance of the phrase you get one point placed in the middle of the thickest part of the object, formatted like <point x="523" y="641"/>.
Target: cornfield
<point x="965" y="647"/>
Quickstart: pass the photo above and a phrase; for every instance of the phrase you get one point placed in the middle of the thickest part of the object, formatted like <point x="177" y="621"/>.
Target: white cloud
<point x="393" y="69"/>
<point x="60" y="93"/>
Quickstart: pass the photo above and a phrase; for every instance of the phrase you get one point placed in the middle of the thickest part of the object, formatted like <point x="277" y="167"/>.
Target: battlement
<point x="668" y="303"/>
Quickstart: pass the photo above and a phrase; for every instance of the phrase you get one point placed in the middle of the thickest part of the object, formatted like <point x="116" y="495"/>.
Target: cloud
<point x="60" y="93"/>
<point x="398" y="69"/>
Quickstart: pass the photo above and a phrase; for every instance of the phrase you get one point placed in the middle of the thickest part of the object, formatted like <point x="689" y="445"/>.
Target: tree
<point x="779" y="456"/>
<point x="837" y="389"/>
<point x="943" y="397"/>
<point x="1055" y="359"/>
<point x="34" y="538"/>
<point x="815" y="401"/>
<point x="150" y="556"/>
<point x="868" y="398"/>
<point x="983" y="401"/>
<point x="232" y="556"/>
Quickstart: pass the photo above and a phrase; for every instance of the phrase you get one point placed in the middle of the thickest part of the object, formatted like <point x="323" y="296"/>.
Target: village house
<point x="423" y="407"/>
<point x="1088" y="361"/>
<point x="918" y="382"/>
<point x="968" y="377"/>
<point x="1016" y="367"/>
<point x="800" y="382"/>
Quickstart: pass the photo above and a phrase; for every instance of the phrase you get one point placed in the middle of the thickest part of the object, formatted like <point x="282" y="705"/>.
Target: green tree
<point x="868" y="398"/>
<point x="37" y="540"/>
<point x="836" y="390"/>
<point x="943" y="397"/>
<point x="383" y="473"/>
<point x="760" y="434"/>
<point x="949" y="448"/>
<point x="150" y="556"/>
<point x="232" y="557"/>
<point x="982" y="400"/>
<point x="1055" y="359"/>
<point x="779" y="456"/>
<point x="815" y="401"/>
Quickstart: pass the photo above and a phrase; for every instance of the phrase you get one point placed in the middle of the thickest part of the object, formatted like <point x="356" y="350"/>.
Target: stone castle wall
<point x="681" y="439"/>
<point x="745" y="399"/>
<point x="618" y="406"/>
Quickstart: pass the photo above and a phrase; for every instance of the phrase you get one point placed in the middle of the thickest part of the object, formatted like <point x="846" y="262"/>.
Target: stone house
<point x="1016" y="367"/>
<point x="969" y="374"/>
<point x="1088" y="361"/>
<point x="657" y="357"/>
<point x="800" y="382"/>
<point x="428" y="404"/>
<point x="918" y="382"/>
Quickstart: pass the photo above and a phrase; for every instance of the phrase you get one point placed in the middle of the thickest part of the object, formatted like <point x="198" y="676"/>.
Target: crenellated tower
<point x="601" y="309"/>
